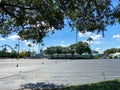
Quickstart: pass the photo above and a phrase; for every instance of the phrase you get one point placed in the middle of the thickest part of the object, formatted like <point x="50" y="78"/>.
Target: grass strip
<point x="105" y="85"/>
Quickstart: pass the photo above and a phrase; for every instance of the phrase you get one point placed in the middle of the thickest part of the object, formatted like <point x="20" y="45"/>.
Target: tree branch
<point x="12" y="5"/>
<point x="4" y="9"/>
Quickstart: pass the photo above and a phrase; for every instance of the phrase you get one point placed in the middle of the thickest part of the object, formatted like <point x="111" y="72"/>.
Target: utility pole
<point x="18" y="48"/>
<point x="76" y="42"/>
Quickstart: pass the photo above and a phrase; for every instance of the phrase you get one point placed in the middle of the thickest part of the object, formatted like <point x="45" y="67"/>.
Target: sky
<point x="66" y="37"/>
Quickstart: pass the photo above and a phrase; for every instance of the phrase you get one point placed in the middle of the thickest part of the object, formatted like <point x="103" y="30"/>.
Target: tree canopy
<point x="34" y="19"/>
<point x="111" y="51"/>
<point x="79" y="48"/>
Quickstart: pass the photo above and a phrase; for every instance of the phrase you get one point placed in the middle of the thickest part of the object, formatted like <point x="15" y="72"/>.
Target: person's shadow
<point x="42" y="86"/>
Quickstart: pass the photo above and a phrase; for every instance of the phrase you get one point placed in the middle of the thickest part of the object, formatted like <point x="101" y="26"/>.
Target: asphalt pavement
<point x="44" y="73"/>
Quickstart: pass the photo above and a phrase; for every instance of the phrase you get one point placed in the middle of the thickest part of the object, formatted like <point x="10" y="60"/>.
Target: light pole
<point x="33" y="49"/>
<point x="76" y="43"/>
<point x="76" y="36"/>
<point x="18" y="47"/>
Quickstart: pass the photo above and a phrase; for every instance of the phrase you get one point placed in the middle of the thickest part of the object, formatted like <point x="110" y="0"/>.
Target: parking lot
<point x="15" y="74"/>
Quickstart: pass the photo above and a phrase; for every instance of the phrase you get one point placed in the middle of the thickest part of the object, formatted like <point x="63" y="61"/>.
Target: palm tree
<point x="41" y="51"/>
<point x="89" y="40"/>
<point x="29" y="45"/>
<point x="33" y="47"/>
<point x="4" y="49"/>
<point x="42" y="44"/>
<point x="17" y="47"/>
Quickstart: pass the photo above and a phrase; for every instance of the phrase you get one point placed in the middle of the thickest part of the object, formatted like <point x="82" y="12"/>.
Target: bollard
<point x="17" y="65"/>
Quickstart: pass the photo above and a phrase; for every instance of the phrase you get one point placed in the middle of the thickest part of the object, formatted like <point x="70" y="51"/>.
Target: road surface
<point x="16" y="74"/>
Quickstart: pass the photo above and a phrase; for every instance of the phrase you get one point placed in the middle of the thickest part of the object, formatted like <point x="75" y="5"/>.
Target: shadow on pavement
<point x="41" y="86"/>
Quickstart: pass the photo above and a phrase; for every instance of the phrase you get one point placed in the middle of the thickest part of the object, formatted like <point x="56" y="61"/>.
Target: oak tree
<point x="34" y="19"/>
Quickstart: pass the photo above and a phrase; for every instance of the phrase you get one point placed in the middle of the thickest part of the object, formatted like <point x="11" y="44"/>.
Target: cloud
<point x="63" y="44"/>
<point x="27" y="42"/>
<point x="36" y="46"/>
<point x="93" y="42"/>
<point x="118" y="46"/>
<point x="96" y="37"/>
<point x="85" y="34"/>
<point x="13" y="37"/>
<point x="92" y="35"/>
<point x="116" y="36"/>
<point x="2" y="39"/>
<point x="98" y="49"/>
<point x="96" y="42"/>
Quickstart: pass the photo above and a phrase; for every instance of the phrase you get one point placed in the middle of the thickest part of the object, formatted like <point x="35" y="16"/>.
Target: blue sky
<point x="66" y="37"/>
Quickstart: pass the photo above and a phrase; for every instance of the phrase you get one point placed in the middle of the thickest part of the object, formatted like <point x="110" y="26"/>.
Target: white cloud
<point x="13" y="37"/>
<point x="36" y="46"/>
<point x="96" y="37"/>
<point x="96" y="42"/>
<point x="90" y="34"/>
<point x="98" y="49"/>
<point x="93" y="42"/>
<point x="118" y="46"/>
<point x="27" y="42"/>
<point x="2" y="39"/>
<point x="116" y="36"/>
<point x="85" y="34"/>
<point x="63" y="44"/>
<point x="85" y="41"/>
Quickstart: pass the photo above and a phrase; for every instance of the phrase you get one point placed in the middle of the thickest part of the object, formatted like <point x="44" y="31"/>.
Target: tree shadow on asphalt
<point x="41" y="86"/>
